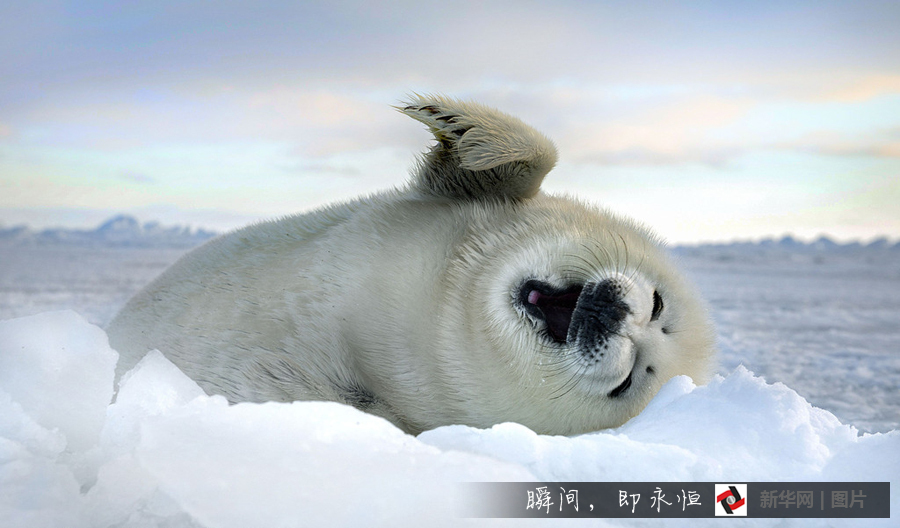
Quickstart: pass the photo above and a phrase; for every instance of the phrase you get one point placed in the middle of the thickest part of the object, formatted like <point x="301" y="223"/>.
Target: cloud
<point x="310" y="120"/>
<point x="135" y="177"/>
<point x="319" y="76"/>
<point x="882" y="144"/>
<point x="636" y="156"/>
<point x="325" y="168"/>
<point x="318" y="108"/>
<point x="714" y="125"/>
<point x="319" y="122"/>
<point x="675" y="130"/>
<point x="866" y="88"/>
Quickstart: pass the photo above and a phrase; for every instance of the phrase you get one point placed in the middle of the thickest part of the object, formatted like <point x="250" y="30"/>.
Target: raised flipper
<point x="480" y="153"/>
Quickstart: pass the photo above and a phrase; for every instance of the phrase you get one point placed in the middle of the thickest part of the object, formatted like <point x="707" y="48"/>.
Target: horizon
<point x="705" y="122"/>
<point x="193" y="228"/>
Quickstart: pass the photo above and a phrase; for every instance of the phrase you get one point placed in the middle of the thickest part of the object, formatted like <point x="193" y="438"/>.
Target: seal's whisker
<point x="570" y="384"/>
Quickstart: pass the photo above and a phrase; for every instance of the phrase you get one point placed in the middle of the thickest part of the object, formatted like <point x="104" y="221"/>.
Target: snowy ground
<point x="824" y="322"/>
<point x="95" y="282"/>
<point x="166" y="455"/>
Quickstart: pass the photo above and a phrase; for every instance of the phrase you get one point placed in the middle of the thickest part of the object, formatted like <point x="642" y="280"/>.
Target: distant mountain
<point x="118" y="231"/>
<point x="789" y="243"/>
<point x="790" y="250"/>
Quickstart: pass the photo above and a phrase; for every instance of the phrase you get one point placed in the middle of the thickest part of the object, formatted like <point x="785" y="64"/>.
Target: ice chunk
<point x="738" y="427"/>
<point x="155" y="385"/>
<point x="152" y="387"/>
<point x="763" y="431"/>
<point x="35" y="490"/>
<point x="59" y="368"/>
<point x="325" y="463"/>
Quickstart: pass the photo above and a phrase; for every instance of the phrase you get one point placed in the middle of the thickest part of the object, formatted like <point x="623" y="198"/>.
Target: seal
<point x="468" y="296"/>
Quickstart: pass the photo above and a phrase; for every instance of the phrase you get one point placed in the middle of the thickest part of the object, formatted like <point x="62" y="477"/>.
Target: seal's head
<point x="574" y="317"/>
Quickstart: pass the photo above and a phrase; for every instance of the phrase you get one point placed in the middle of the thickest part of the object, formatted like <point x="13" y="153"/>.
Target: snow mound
<point x="166" y="454"/>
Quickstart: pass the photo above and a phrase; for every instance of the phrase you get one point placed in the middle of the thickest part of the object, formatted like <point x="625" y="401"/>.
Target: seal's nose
<point x="600" y="311"/>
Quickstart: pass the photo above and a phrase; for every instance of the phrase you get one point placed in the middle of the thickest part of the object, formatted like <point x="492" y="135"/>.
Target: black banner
<point x="675" y="499"/>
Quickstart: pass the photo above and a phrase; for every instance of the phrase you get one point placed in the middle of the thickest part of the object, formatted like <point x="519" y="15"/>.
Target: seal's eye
<point x="657" y="306"/>
<point x="552" y="305"/>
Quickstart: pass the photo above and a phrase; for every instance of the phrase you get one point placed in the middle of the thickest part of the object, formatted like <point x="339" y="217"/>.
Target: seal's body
<point x="467" y="297"/>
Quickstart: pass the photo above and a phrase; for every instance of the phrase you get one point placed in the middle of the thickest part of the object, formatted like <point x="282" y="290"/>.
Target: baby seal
<point x="466" y="297"/>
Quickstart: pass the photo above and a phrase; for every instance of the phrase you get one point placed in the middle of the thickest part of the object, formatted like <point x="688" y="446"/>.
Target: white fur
<point x="405" y="303"/>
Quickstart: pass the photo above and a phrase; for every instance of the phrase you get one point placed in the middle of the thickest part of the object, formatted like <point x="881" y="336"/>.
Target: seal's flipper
<point x="481" y="153"/>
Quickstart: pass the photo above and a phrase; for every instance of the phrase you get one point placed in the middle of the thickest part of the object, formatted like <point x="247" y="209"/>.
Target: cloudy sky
<point x="705" y="120"/>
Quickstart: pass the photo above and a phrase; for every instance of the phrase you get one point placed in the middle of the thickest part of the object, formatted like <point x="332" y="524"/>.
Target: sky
<point x="707" y="121"/>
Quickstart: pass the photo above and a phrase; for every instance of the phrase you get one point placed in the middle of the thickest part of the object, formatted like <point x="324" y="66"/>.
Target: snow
<point x="165" y="454"/>
<point x="74" y="378"/>
<point x="821" y="319"/>
<point x="96" y="282"/>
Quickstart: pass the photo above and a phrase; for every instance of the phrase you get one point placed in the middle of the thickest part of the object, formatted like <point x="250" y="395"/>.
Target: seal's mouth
<point x="618" y="391"/>
<point x="589" y="313"/>
<point x="554" y="306"/>
<point x="600" y="313"/>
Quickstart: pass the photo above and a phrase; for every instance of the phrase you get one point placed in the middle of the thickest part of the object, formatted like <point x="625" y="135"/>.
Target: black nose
<point x="599" y="314"/>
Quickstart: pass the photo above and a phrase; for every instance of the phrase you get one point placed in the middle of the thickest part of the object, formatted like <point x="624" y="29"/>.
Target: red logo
<point x="730" y="500"/>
